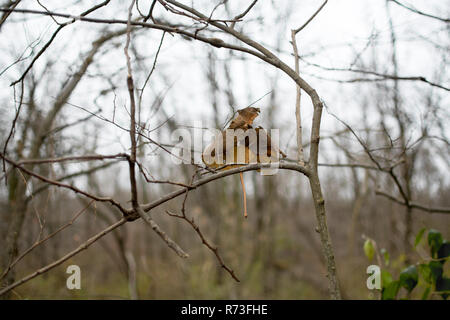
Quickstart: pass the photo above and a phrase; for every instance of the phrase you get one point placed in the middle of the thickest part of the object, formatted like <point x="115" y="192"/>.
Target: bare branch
<point x="130" y="85"/>
<point x="210" y="246"/>
<point x="41" y="241"/>
<point x="49" y="42"/>
<point x="446" y="20"/>
<point x="153" y="68"/>
<point x="69" y="255"/>
<point x="311" y="18"/>
<point x="414" y="204"/>
<point x="71" y="176"/>
<point x="11" y="132"/>
<point x="12" y="5"/>
<point x="74" y="158"/>
<point x="172" y="244"/>
<point x="66" y="186"/>
<point x="243" y="14"/>
<point x="219" y="175"/>
<point x="380" y="76"/>
<point x="298" y="118"/>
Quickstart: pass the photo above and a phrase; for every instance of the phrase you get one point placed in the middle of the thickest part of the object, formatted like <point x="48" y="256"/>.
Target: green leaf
<point x="444" y="250"/>
<point x="369" y="249"/>
<point x="434" y="241"/>
<point x="409" y="277"/>
<point x="436" y="269"/>
<point x="419" y="237"/>
<point x="425" y="272"/>
<point x="391" y="290"/>
<point x="386" y="278"/>
<point x="426" y="293"/>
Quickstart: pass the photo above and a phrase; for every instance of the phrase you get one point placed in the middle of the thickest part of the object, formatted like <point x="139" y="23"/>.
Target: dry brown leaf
<point x="243" y="151"/>
<point x="242" y="145"/>
<point x="245" y="118"/>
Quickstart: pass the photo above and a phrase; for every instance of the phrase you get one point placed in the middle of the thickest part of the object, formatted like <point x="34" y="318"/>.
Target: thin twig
<point x="69" y="255"/>
<point x="153" y="68"/>
<point x="49" y="42"/>
<point x="66" y="186"/>
<point x="413" y="204"/>
<point x="172" y="244"/>
<point x="243" y="14"/>
<point x="130" y="85"/>
<point x="210" y="246"/>
<point x="311" y="18"/>
<point x="298" y="118"/>
<point x="41" y="241"/>
<point x="446" y="20"/>
<point x="73" y="158"/>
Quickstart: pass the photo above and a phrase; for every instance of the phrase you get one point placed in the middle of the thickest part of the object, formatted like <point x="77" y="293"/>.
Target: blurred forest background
<point x="380" y="67"/>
